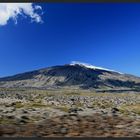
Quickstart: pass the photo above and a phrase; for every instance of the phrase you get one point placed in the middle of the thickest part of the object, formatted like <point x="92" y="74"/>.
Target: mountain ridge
<point x="75" y="75"/>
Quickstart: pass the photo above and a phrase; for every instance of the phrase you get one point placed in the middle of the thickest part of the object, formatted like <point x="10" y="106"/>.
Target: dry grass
<point x="126" y="109"/>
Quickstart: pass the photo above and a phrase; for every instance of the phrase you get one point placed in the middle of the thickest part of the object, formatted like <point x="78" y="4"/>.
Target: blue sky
<point x="106" y="35"/>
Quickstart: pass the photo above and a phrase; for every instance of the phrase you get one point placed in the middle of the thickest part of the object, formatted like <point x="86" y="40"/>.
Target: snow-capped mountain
<point x="74" y="75"/>
<point x="91" y="66"/>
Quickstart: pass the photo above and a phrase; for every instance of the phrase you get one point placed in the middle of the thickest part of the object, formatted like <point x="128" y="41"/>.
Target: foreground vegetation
<point x="68" y="113"/>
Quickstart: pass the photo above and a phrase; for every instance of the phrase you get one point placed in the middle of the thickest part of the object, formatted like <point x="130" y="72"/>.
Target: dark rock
<point x="73" y="110"/>
<point x="72" y="99"/>
<point x="115" y="110"/>
<point x="73" y="114"/>
<point x="104" y="112"/>
<point x="22" y="121"/>
<point x="8" y="105"/>
<point x="24" y="111"/>
<point x="10" y="117"/>
<point x="25" y="117"/>
<point x="13" y="104"/>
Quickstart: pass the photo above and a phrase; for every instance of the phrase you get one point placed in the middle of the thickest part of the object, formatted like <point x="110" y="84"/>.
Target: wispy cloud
<point x="13" y="10"/>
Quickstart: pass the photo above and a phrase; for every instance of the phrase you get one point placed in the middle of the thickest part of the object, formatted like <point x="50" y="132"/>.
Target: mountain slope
<point x="75" y="75"/>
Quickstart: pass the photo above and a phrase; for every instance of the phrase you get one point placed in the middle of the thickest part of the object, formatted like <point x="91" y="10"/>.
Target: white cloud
<point x="13" y="10"/>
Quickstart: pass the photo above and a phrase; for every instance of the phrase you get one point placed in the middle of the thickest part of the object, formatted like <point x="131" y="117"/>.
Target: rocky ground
<point x="42" y="113"/>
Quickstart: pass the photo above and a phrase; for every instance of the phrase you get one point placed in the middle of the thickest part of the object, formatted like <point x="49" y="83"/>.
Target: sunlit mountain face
<point x="75" y="75"/>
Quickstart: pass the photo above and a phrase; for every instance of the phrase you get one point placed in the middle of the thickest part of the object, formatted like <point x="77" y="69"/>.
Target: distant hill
<point x="76" y="75"/>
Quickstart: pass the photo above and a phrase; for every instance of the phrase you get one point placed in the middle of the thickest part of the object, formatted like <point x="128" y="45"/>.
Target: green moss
<point x="127" y="109"/>
<point x="6" y="121"/>
<point x="19" y="105"/>
<point x="37" y="105"/>
<point x="78" y="104"/>
<point x="64" y="109"/>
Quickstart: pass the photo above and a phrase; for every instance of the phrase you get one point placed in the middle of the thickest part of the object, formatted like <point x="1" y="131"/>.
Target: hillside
<point x="75" y="75"/>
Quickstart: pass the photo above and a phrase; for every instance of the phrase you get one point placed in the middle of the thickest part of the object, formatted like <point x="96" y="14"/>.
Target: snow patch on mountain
<point x="91" y="66"/>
